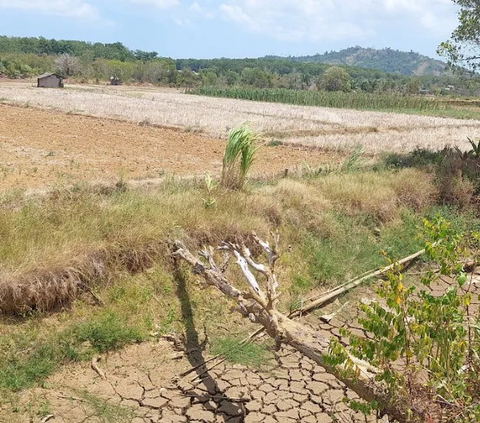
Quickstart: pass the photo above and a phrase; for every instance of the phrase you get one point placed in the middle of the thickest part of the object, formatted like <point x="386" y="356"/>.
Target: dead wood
<point x="353" y="283"/>
<point x="258" y="305"/>
<point x="97" y="369"/>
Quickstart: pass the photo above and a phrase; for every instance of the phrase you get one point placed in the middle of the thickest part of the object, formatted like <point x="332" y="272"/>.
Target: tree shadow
<point x="224" y="407"/>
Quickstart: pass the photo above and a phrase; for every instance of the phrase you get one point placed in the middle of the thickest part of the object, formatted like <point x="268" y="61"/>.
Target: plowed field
<point x="41" y="148"/>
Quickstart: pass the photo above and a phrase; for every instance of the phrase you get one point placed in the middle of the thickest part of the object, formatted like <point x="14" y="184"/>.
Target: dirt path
<point x="41" y="148"/>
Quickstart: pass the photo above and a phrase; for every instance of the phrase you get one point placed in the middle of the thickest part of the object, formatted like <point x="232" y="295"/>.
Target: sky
<point x="236" y="28"/>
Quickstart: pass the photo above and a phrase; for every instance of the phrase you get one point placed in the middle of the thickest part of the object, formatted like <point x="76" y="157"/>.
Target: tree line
<point x="24" y="57"/>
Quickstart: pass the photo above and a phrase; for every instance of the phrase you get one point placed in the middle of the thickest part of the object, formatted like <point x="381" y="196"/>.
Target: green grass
<point x="356" y="248"/>
<point x="248" y="354"/>
<point x="31" y="358"/>
<point x="328" y="222"/>
<point x="353" y="100"/>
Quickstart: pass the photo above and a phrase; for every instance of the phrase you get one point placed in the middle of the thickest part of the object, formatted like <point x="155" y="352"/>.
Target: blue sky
<point x="236" y="28"/>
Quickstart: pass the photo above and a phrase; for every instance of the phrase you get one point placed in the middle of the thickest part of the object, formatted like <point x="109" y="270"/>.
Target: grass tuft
<point x="248" y="354"/>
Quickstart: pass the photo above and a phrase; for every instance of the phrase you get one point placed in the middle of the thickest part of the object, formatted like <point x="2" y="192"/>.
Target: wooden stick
<point x="95" y="367"/>
<point x="341" y="289"/>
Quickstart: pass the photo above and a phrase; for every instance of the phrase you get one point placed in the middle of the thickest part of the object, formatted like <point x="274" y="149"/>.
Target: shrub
<point x="425" y="343"/>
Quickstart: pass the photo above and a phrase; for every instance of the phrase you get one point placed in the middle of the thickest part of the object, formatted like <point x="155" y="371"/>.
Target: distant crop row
<point x="351" y="100"/>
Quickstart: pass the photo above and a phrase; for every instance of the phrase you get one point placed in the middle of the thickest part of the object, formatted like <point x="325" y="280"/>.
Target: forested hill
<point x="385" y="60"/>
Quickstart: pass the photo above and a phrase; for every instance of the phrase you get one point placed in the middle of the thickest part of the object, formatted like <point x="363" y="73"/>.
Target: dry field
<point x="40" y="148"/>
<point x="321" y="127"/>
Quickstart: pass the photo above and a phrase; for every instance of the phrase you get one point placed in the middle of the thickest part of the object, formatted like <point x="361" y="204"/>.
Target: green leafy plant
<point x="475" y="151"/>
<point x="238" y="157"/>
<point x="425" y="342"/>
<point x="352" y="162"/>
<point x="210" y="186"/>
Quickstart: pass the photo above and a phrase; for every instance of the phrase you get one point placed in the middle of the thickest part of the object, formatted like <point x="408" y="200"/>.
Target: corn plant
<point x="351" y="100"/>
<point x="210" y="186"/>
<point x="238" y="157"/>
<point x="475" y="151"/>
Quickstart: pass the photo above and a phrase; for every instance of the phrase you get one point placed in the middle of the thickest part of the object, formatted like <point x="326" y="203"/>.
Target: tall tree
<point x="463" y="48"/>
<point x="336" y="79"/>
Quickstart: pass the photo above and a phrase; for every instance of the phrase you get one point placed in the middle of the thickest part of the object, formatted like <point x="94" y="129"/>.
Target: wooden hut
<point x="50" y="80"/>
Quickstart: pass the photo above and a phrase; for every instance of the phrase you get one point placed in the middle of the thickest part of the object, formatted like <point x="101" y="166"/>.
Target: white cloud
<point x="196" y="9"/>
<point x="159" y="4"/>
<point x="69" y="8"/>
<point x="315" y="20"/>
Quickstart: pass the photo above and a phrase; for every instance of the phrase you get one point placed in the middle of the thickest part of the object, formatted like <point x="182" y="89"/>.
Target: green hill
<point x="386" y="60"/>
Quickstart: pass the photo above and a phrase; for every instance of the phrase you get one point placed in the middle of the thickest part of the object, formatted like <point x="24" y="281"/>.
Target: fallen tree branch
<point x="347" y="286"/>
<point x="355" y="374"/>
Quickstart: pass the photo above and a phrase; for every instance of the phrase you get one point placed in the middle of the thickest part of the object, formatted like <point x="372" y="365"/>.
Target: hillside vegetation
<point x="385" y="60"/>
<point x="367" y="70"/>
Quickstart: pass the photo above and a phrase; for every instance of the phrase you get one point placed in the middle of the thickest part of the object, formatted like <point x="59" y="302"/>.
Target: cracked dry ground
<point x="144" y="384"/>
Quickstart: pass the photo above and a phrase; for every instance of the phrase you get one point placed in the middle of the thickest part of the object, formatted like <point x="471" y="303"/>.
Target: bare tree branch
<point x="354" y="373"/>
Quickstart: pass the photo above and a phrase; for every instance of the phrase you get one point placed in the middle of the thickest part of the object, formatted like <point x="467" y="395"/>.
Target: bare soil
<point x="40" y="148"/>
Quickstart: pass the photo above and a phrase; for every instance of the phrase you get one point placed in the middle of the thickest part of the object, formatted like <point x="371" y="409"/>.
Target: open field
<point x="322" y="127"/>
<point x="49" y="148"/>
<point x="87" y="272"/>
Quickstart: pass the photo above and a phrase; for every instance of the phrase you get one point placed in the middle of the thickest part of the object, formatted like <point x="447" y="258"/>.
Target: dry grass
<point x="52" y="248"/>
<point x="332" y="128"/>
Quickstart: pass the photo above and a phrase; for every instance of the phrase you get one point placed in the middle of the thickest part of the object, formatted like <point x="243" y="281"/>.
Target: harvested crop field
<point x="50" y="148"/>
<point x="313" y="126"/>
